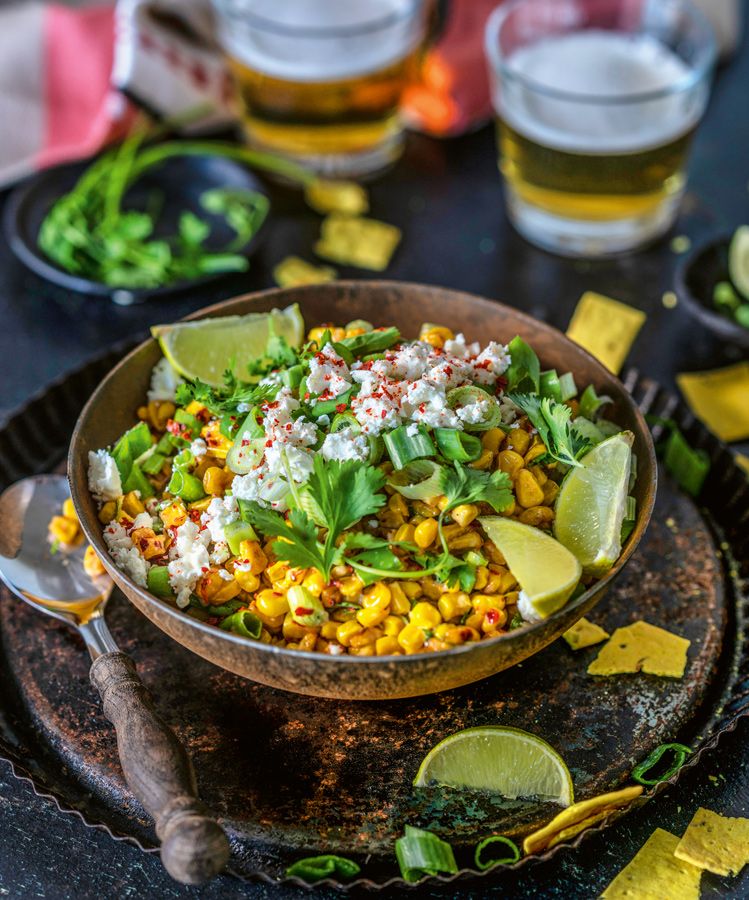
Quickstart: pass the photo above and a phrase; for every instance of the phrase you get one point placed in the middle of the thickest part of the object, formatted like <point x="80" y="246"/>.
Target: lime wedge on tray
<point x="546" y="571"/>
<point x="502" y="760"/>
<point x="592" y="502"/>
<point x="204" y="348"/>
<point x="738" y="260"/>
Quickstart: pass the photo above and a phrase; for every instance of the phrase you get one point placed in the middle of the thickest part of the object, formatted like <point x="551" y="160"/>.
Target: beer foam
<point x="295" y="40"/>
<point x="597" y="65"/>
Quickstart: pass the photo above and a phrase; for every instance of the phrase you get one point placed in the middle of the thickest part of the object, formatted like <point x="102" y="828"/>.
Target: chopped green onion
<point x="236" y="532"/>
<point x="167" y="444"/>
<point x="153" y="464"/>
<point x="422" y="479"/>
<point x="630" y="517"/>
<point x="329" y="407"/>
<point x="314" y="868"/>
<point x="524" y="372"/>
<point x="371" y="341"/>
<point x="422" y="853"/>
<point x="567" y="386"/>
<point x="463" y="396"/>
<point x="590" y="402"/>
<point x="225" y="609"/>
<point x="549" y="385"/>
<point x="474" y="558"/>
<point x="403" y="447"/>
<point x="245" y="453"/>
<point x="186" y="485"/>
<point x="228" y="425"/>
<point x="292" y="377"/>
<point x="306" y="609"/>
<point x="680" y="752"/>
<point x="457" y="445"/>
<point x="688" y="465"/>
<point x="344" y="420"/>
<point x="137" y="481"/>
<point x="157" y="581"/>
<point x="191" y="422"/>
<point x="505" y="860"/>
<point x="243" y="623"/>
<point x="133" y="444"/>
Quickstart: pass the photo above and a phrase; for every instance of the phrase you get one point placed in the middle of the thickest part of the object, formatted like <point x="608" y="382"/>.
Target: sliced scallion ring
<point x="406" y="443"/>
<point x="422" y="479"/>
<point x="680" y="753"/>
<point x="512" y="856"/>
<point x="457" y="446"/>
<point x="470" y="394"/>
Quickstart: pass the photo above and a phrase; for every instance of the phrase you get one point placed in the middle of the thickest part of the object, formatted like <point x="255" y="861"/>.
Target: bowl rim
<point x="94" y="537"/>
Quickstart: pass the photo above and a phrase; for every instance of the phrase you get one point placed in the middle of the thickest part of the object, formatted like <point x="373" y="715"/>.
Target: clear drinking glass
<point x="321" y="80"/>
<point x="596" y="102"/>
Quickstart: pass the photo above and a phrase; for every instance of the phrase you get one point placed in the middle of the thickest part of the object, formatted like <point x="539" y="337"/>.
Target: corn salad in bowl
<point x="367" y="495"/>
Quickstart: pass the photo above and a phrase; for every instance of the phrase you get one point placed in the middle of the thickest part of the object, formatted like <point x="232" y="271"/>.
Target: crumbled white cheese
<point x="142" y="520"/>
<point x="219" y="554"/>
<point x="221" y="511"/>
<point x="164" y="381"/>
<point x="458" y="347"/>
<point x="103" y="476"/>
<point x="526" y="609"/>
<point x="329" y="375"/>
<point x="492" y="362"/>
<point x="198" y="448"/>
<point x="475" y="412"/>
<point x="345" y="444"/>
<point x="125" y="554"/>
<point x="189" y="560"/>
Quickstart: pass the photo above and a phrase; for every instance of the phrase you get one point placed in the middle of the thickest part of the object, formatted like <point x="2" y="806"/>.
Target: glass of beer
<point x="320" y="81"/>
<point x="596" y="102"/>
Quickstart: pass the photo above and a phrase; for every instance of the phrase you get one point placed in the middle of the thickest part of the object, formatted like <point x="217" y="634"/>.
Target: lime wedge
<point x="592" y="502"/>
<point x="547" y="572"/>
<point x="204" y="349"/>
<point x="738" y="260"/>
<point x="502" y="760"/>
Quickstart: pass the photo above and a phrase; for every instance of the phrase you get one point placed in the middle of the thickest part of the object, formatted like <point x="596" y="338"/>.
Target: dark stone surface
<point x="448" y="199"/>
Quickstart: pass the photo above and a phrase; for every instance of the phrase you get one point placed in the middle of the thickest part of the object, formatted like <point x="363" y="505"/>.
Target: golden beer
<point x="320" y="81"/>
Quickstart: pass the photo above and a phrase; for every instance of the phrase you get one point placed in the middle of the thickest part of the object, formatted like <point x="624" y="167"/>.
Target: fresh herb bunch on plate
<point x="347" y="491"/>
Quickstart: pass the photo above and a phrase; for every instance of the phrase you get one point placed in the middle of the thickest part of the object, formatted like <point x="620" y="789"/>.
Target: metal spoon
<point x="193" y="846"/>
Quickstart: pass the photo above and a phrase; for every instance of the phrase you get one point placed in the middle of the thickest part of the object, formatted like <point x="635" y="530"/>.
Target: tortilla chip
<point x="717" y="843"/>
<point x="641" y="647"/>
<point x="294" y="270"/>
<point x="365" y="243"/>
<point x="606" y="328"/>
<point x="584" y="634"/>
<point x="655" y="873"/>
<point x="718" y="398"/>
<point x="582" y="812"/>
<point x="337" y="196"/>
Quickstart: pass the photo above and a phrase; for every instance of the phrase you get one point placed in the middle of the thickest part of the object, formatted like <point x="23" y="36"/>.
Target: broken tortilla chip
<point x="337" y="196"/>
<point x="584" y="813"/>
<point x="294" y="270"/>
<point x="641" y="647"/>
<point x="655" y="873"/>
<point x="606" y="328"/>
<point x="719" y="844"/>
<point x="365" y="243"/>
<point x="584" y="634"/>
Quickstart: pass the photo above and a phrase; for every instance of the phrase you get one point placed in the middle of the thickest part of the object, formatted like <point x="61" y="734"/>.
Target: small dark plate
<point x="696" y="276"/>
<point x="178" y="182"/>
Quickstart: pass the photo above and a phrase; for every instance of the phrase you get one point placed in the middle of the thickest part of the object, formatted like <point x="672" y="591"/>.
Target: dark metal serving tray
<point x="292" y="776"/>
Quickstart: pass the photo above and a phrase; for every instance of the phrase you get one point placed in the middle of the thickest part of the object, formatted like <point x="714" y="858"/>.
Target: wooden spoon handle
<point x="193" y="846"/>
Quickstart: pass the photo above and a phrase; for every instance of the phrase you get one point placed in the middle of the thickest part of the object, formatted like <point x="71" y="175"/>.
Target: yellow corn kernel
<point x="509" y="461"/>
<point x="425" y="615"/>
<point x="308" y="641"/>
<point x="390" y="519"/>
<point x="536" y="451"/>
<point x="425" y="533"/>
<point x="518" y="440"/>
<point x="108" y="512"/>
<point x="149" y="543"/>
<point x="486" y="601"/>
<point x="397" y="504"/>
<point x="460" y="634"/>
<point x="527" y="490"/>
<point x="270" y="603"/>
<point x="538" y="516"/>
<point x="393" y="625"/>
<point x="160" y="412"/>
<point x="214" y="482"/>
<point x="493" y="620"/>
<point x="493" y="583"/>
<point x="436" y="335"/>
<point x="377" y="597"/>
<point x="464" y="514"/>
<point x="430" y="588"/>
<point x="470" y="541"/>
<point x="253" y="553"/>
<point x="195" y="408"/>
<point x="551" y="490"/>
<point x="132" y="504"/>
<point x="492" y="439"/>
<point x="291" y="631"/>
<point x="365" y="638"/>
<point x="92" y="565"/>
<point x="174" y="515"/>
<point x="484" y="461"/>
<point x="511" y="598"/>
<point x="228" y="591"/>
<point x="453" y="604"/>
<point x="347" y="630"/>
<point x="508" y="583"/>
<point x="272" y="623"/>
<point x="399" y="602"/>
<point x="351" y="586"/>
<point x="63" y="529"/>
<point x="68" y="510"/>
<point x="201" y="505"/>
<point x="278" y="572"/>
<point x="451" y="531"/>
<point x="218" y="444"/>
<point x="538" y="473"/>
<point x="314" y="582"/>
<point x="508" y="510"/>
<point x="372" y="616"/>
<point x="411" y="638"/>
<point x="142" y="413"/>
<point x="328" y="630"/>
<point x="482" y="576"/>
<point x="474" y="621"/>
<point x="386" y="646"/>
<point x="247" y="581"/>
<point x="412" y="589"/>
<point x="368" y="649"/>
<point x="405" y="533"/>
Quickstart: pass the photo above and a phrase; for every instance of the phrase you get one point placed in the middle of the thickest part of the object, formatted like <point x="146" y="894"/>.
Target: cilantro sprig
<point x="227" y="398"/>
<point x="552" y="421"/>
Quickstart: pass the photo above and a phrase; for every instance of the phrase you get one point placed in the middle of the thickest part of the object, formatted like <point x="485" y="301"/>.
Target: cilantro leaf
<point x="345" y="492"/>
<point x="552" y="420"/>
<point x="464" y="485"/>
<point x="225" y="399"/>
<point x="524" y="371"/>
<point x="300" y="546"/>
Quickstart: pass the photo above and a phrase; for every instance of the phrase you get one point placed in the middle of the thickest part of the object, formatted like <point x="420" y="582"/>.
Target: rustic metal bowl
<point x="111" y="410"/>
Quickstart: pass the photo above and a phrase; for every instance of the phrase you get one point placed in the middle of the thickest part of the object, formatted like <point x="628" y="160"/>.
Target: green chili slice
<point x="457" y="445"/>
<point x="549" y="385"/>
<point x="680" y="753"/>
<point x="688" y="465"/>
<point x="244" y="623"/>
<point x="590" y="402"/>
<point x="421" y="853"/>
<point x="157" y="581"/>
<point x="403" y="446"/>
<point x="507" y="860"/>
<point x="314" y="868"/>
<point x="567" y="386"/>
